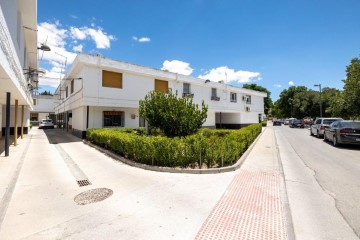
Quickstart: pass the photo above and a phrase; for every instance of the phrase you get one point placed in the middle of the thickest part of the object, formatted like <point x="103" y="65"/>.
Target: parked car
<point x="296" y="123"/>
<point x="319" y="126"/>
<point x="343" y="132"/>
<point x="288" y="120"/>
<point x="46" y="123"/>
<point x="276" y="123"/>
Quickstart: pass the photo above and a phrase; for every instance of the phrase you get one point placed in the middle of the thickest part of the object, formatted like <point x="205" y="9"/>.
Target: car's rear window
<point x="350" y="124"/>
<point x="329" y="121"/>
<point x="47" y="121"/>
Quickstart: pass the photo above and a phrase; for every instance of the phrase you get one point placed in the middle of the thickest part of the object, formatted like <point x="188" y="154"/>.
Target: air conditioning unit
<point x="248" y="109"/>
<point x="188" y="95"/>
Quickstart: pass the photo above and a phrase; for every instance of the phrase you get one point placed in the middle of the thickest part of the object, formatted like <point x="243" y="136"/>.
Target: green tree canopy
<point x="173" y="115"/>
<point x="267" y="101"/>
<point x="352" y="89"/>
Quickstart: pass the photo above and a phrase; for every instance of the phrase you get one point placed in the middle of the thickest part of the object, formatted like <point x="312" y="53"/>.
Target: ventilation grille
<point x="83" y="183"/>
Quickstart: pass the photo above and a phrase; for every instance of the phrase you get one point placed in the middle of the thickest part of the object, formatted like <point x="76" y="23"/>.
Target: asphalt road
<point x="336" y="170"/>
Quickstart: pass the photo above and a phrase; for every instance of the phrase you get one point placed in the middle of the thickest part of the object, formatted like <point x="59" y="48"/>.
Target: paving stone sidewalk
<point x="252" y="207"/>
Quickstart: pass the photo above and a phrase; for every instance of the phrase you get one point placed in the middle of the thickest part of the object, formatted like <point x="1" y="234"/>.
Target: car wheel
<point x="335" y="141"/>
<point x="311" y="133"/>
<point x="317" y="134"/>
<point x="325" y="139"/>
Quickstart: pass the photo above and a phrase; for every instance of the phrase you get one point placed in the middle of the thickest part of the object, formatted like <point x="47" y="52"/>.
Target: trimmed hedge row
<point x="207" y="148"/>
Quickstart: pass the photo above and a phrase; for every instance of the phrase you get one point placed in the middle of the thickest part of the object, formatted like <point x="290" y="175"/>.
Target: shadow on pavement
<point x="56" y="136"/>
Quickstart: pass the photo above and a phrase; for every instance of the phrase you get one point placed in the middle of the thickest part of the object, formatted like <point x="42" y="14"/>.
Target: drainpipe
<point x="87" y="117"/>
<point x="7" y="124"/>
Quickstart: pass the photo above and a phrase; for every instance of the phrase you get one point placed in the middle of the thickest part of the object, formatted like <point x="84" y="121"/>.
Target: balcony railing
<point x="215" y="98"/>
<point x="6" y="45"/>
<point x="188" y="95"/>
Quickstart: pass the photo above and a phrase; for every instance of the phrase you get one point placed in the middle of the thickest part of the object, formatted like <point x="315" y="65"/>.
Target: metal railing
<point x="6" y="45"/>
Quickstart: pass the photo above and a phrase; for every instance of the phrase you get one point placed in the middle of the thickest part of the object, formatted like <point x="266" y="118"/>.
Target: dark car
<point x="277" y="123"/>
<point x="343" y="132"/>
<point x="296" y="123"/>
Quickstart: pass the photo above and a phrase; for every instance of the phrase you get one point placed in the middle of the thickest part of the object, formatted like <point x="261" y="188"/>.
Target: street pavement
<point x="38" y="184"/>
<point x="322" y="182"/>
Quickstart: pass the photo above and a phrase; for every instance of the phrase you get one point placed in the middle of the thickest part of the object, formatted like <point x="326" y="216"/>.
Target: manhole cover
<point x="94" y="195"/>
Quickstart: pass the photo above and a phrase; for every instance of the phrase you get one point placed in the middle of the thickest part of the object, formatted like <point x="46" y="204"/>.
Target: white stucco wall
<point x="210" y="120"/>
<point x="228" y="118"/>
<point x="78" y="120"/>
<point x="12" y="116"/>
<point x="44" y="104"/>
<point x="96" y="117"/>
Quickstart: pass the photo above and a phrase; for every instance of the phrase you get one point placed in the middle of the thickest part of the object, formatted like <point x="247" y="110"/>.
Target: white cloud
<point x="101" y="39"/>
<point x="78" y="48"/>
<point x="278" y="85"/>
<point x="76" y="33"/>
<point x="59" y="39"/>
<point x="177" y="66"/>
<point x="291" y="83"/>
<point x="229" y="75"/>
<point x="73" y="16"/>
<point x="144" y="39"/>
<point x="141" y="39"/>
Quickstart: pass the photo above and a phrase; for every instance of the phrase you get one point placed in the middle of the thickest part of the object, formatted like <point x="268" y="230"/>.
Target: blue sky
<point x="270" y="43"/>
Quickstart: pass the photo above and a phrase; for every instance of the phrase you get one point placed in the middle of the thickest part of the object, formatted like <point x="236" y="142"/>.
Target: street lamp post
<point x="291" y="106"/>
<point x="319" y="85"/>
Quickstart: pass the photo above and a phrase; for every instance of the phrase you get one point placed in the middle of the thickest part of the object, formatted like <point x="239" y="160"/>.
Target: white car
<point x="46" y="123"/>
<point x="319" y="125"/>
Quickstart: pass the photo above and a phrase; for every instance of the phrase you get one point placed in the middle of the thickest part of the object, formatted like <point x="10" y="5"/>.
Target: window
<point x="186" y="88"/>
<point x="232" y="97"/>
<point x="72" y="86"/>
<point x="112" y="79"/>
<point x="113" y="119"/>
<point x="213" y="92"/>
<point x="34" y="101"/>
<point x="248" y="99"/>
<point x="66" y="92"/>
<point x="161" y="86"/>
<point x="34" y="116"/>
<point x="141" y="122"/>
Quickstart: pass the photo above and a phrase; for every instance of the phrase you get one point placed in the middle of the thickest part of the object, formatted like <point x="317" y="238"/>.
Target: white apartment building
<point x="18" y="65"/>
<point x="43" y="108"/>
<point x="98" y="92"/>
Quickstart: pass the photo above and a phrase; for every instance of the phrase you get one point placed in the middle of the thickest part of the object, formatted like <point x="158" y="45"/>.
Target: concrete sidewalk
<point x="254" y="204"/>
<point x="245" y="204"/>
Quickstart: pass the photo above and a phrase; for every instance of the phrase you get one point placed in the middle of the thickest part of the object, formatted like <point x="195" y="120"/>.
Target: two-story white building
<point x="43" y="108"/>
<point x="98" y="92"/>
<point x="18" y="66"/>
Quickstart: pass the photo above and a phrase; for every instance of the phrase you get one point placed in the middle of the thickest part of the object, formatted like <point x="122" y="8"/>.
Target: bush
<point x="264" y="123"/>
<point x="173" y="115"/>
<point x="206" y="148"/>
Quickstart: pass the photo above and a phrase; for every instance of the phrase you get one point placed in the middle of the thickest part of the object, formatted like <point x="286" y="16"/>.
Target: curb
<point x="234" y="167"/>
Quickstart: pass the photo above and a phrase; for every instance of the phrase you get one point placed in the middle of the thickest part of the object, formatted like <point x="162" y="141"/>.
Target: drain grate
<point x="83" y="183"/>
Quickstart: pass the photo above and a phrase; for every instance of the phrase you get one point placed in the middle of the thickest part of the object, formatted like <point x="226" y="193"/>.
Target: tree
<point x="352" y="89"/>
<point x="267" y="101"/>
<point x="174" y="116"/>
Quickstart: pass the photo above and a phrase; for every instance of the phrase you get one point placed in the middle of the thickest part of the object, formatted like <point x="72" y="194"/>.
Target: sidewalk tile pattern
<point x="251" y="208"/>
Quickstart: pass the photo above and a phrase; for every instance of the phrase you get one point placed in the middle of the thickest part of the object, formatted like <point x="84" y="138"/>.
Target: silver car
<point x="46" y="123"/>
<point x="319" y="125"/>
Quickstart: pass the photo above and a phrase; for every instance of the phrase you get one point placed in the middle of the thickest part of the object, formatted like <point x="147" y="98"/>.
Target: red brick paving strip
<point x="251" y="208"/>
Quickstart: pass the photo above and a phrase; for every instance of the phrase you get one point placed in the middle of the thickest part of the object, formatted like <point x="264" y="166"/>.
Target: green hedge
<point x="208" y="147"/>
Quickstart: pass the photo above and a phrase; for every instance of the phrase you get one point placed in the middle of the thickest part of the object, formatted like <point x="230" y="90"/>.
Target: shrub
<point x="264" y="123"/>
<point x="206" y="148"/>
<point x="173" y="115"/>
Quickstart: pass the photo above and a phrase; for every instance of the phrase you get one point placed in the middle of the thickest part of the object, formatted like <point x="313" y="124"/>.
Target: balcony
<point x="188" y="95"/>
<point x="215" y="98"/>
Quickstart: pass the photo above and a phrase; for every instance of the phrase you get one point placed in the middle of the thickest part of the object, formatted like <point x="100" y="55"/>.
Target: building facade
<point x="43" y="108"/>
<point x="18" y="65"/>
<point x="98" y="92"/>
